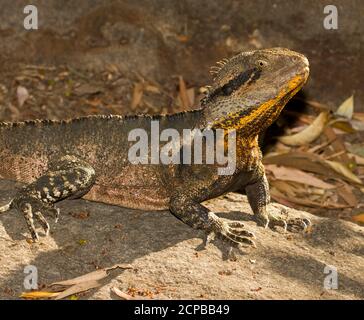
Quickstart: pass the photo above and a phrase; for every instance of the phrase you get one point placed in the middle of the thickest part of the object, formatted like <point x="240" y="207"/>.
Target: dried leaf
<point x="77" y="288"/>
<point x="337" y="145"/>
<point x="356" y="148"/>
<point x="296" y="175"/>
<point x="152" y="88"/>
<point x="347" y="194"/>
<point x="87" y="89"/>
<point x="121" y="294"/>
<point x="313" y="163"/>
<point x="22" y="95"/>
<point x="284" y="187"/>
<point x="183" y="94"/>
<point x="137" y="95"/>
<point x="359" y="116"/>
<point x="94" y="275"/>
<point x="344" y="171"/>
<point x="358" y="218"/>
<point x="343" y="125"/>
<point x="39" y="295"/>
<point x="304" y="202"/>
<point x="191" y="96"/>
<point x="357" y="125"/>
<point x="358" y="159"/>
<point x="309" y="134"/>
<point x="346" y="109"/>
<point x="182" y="38"/>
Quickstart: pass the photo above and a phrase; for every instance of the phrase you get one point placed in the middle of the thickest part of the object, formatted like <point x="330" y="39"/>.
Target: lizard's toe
<point x="277" y="221"/>
<point x="282" y="220"/>
<point x="43" y="222"/>
<point x="298" y="224"/>
<point x="234" y="233"/>
<point x="34" y="235"/>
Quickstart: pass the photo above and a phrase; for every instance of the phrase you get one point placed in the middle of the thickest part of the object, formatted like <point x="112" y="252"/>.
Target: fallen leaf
<point x="77" y="288"/>
<point x="337" y="145"/>
<point x="356" y="148"/>
<point x="346" y="109"/>
<point x="296" y="175"/>
<point x="182" y="38"/>
<point x="22" y="95"/>
<point x="313" y="163"/>
<point x="304" y="202"/>
<point x="80" y="215"/>
<point x="358" y="218"/>
<point x="309" y="134"/>
<point x="152" y="88"/>
<point x="39" y="295"/>
<point x="191" y="96"/>
<point x="359" y="116"/>
<point x="357" y="125"/>
<point x="347" y="194"/>
<point x="94" y="275"/>
<point x="359" y="160"/>
<point x="344" y="171"/>
<point x="343" y="125"/>
<point x="87" y="89"/>
<point x="183" y="94"/>
<point x="137" y="95"/>
<point x="121" y="294"/>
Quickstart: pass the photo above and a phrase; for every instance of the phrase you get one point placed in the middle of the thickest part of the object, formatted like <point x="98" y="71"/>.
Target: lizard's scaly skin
<point x="88" y="156"/>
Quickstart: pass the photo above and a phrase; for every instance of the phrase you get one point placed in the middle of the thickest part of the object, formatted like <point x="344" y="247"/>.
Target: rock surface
<point x="169" y="259"/>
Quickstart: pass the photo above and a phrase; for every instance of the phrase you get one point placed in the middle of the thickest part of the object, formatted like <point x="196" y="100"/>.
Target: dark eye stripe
<point x="247" y="76"/>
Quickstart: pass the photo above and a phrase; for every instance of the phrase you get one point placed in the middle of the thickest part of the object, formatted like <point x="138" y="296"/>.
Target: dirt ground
<point x="96" y="58"/>
<point x="171" y="262"/>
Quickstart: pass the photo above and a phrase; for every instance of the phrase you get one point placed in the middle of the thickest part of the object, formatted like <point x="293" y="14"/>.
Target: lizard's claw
<point x="43" y="222"/>
<point x="55" y="212"/>
<point x="29" y="216"/>
<point x="298" y="224"/>
<point x="282" y="220"/>
<point x="233" y="232"/>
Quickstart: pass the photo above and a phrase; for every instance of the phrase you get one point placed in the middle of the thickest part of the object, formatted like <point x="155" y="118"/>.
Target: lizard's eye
<point x="262" y="63"/>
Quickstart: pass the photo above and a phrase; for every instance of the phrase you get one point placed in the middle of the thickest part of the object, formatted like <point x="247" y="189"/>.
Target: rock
<point x="164" y="249"/>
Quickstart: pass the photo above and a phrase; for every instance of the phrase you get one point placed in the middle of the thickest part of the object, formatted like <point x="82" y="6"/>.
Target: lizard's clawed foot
<point x="29" y="218"/>
<point x="32" y="210"/>
<point x="298" y="224"/>
<point x="281" y="220"/>
<point x="233" y="232"/>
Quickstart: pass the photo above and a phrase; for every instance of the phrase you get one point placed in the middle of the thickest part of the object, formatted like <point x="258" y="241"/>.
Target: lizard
<point x="88" y="156"/>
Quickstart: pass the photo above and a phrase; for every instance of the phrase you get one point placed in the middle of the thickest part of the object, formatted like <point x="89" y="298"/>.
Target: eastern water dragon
<point x="88" y="157"/>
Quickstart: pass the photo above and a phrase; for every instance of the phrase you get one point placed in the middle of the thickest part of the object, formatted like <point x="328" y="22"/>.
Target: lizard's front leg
<point x="259" y="198"/>
<point x="67" y="178"/>
<point x="199" y="217"/>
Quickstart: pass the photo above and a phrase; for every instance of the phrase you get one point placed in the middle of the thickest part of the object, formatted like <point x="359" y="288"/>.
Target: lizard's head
<point x="250" y="89"/>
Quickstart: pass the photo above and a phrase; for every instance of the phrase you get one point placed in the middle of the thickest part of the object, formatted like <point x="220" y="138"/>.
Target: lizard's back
<point x="27" y="149"/>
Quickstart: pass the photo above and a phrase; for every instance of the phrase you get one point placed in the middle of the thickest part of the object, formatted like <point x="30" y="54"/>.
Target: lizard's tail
<point x="5" y="207"/>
